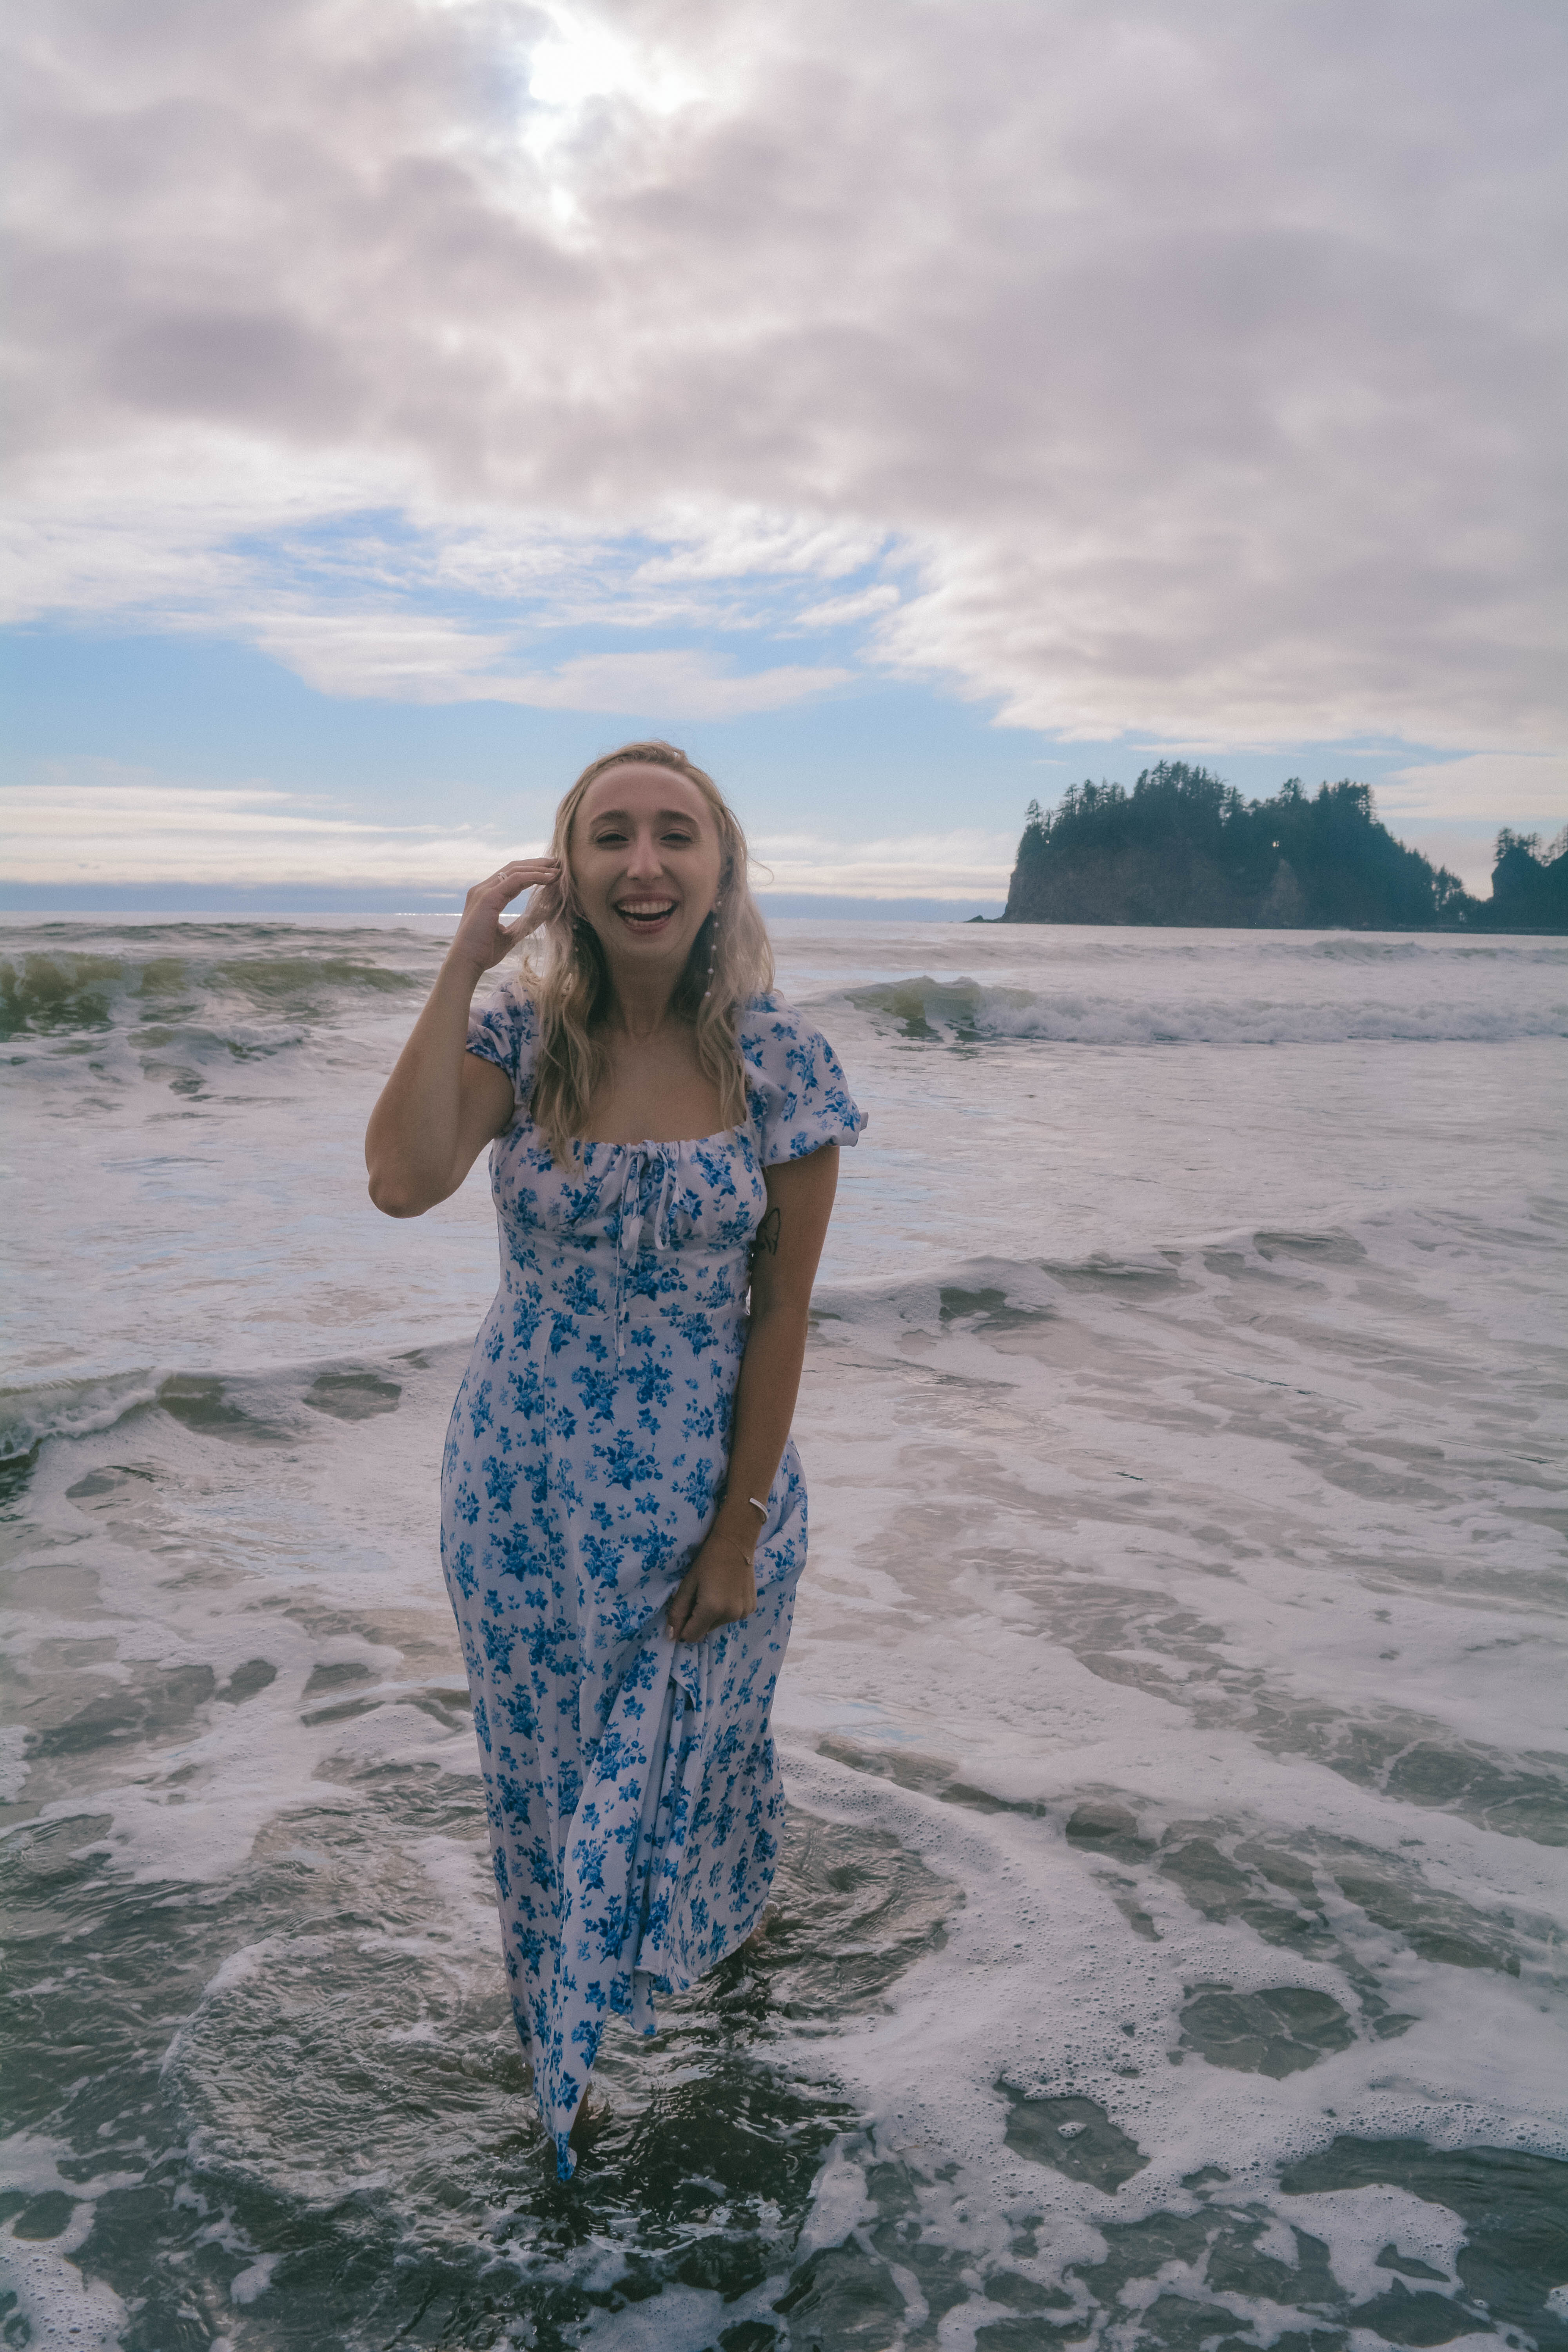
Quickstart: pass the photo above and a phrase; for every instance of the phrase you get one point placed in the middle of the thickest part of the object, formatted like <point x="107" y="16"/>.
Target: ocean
<point x="1169" y="1949"/>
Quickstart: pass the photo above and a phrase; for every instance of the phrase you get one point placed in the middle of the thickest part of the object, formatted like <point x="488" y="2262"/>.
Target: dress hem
<point x="566" y="2161"/>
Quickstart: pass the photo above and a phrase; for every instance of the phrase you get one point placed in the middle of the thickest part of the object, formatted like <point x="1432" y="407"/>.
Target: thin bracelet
<point x="756" y="1506"/>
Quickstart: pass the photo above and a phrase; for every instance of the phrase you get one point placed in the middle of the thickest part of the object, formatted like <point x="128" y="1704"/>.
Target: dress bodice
<point x="634" y="1231"/>
<point x="630" y="1233"/>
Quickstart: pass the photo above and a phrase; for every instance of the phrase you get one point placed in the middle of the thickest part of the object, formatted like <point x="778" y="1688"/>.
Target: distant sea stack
<point x="1529" y="884"/>
<point x="1181" y="847"/>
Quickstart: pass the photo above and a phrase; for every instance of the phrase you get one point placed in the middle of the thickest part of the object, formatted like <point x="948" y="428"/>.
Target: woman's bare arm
<point x="442" y="1105"/>
<point x="719" y="1587"/>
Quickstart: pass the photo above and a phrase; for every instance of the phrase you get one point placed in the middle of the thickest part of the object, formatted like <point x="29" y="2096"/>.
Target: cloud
<point x="1464" y="848"/>
<point x="93" y="821"/>
<point x="685" y="685"/>
<point x="402" y="656"/>
<point x="410" y="657"/>
<point x="1504" y="787"/>
<point x="1183" y="369"/>
<point x="964" y="864"/>
<point x="96" y="823"/>
<point x="832" y="611"/>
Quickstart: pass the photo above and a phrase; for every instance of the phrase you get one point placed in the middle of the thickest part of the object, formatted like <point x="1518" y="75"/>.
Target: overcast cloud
<point x="1186" y="369"/>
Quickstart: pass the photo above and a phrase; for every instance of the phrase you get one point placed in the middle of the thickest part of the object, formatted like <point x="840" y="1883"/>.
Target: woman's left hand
<point x="720" y="1587"/>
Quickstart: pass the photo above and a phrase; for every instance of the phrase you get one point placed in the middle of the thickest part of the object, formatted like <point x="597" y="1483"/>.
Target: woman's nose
<point x="645" y="860"/>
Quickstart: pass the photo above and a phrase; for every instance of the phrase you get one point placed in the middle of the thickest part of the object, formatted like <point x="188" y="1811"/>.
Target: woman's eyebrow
<point x="664" y="816"/>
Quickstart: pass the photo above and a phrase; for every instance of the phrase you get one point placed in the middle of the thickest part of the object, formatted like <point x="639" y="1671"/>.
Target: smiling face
<point x="646" y="862"/>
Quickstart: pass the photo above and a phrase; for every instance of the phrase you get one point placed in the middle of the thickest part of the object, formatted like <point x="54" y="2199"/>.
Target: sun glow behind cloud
<point x="582" y="58"/>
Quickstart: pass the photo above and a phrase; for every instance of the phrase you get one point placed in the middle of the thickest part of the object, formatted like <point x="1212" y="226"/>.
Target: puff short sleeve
<point x="505" y="1031"/>
<point x="799" y="1098"/>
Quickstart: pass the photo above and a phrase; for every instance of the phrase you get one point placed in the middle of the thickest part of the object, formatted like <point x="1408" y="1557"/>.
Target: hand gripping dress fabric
<point x="634" y="1798"/>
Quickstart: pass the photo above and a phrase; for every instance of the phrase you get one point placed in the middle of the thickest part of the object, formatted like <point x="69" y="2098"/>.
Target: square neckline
<point x="524" y="1118"/>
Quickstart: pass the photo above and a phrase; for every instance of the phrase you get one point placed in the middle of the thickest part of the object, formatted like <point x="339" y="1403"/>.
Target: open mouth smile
<point x="645" y="914"/>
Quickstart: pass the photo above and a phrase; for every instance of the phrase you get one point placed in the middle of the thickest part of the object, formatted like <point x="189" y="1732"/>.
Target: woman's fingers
<point x="521" y="874"/>
<point x="700" y="1602"/>
<point x="481" y="932"/>
<point x="692" y="1612"/>
<point x="681" y="1604"/>
<point x="544" y="902"/>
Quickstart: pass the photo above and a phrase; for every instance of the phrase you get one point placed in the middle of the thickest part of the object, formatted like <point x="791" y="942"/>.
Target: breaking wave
<point x="1416" y="1010"/>
<point x="239" y="996"/>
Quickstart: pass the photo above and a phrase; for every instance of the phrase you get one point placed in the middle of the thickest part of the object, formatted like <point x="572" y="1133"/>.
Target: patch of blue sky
<point x="366" y="663"/>
<point x="373" y="606"/>
<point x="210" y="706"/>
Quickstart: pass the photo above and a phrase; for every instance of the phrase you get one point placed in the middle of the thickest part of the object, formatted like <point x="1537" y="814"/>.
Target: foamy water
<point x="1170" y="1941"/>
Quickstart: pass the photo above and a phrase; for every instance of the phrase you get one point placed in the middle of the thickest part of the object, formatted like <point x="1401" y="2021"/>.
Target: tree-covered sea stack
<point x="1183" y="847"/>
<point x="1529" y="884"/>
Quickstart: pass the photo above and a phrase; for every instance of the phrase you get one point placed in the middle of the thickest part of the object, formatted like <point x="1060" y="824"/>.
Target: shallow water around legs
<point x="1168" y="1947"/>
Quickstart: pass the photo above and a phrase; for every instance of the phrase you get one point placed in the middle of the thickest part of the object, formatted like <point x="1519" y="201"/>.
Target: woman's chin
<point x="646" y="951"/>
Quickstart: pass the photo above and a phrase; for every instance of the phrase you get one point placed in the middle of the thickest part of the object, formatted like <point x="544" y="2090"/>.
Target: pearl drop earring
<point x="712" y="947"/>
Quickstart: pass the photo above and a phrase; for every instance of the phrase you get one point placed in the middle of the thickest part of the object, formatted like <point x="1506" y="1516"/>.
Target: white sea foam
<point x="1356" y="2225"/>
<point x="57" y="2306"/>
<point x="254" y="2280"/>
<point x="1183" y="1441"/>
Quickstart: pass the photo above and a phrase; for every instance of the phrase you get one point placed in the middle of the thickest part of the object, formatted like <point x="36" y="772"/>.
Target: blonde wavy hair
<point x="565" y="971"/>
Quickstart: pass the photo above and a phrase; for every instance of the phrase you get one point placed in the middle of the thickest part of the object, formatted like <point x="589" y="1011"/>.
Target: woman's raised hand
<point x="481" y="938"/>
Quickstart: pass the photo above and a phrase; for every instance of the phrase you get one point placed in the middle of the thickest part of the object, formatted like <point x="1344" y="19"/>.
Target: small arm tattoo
<point x="766" y="1236"/>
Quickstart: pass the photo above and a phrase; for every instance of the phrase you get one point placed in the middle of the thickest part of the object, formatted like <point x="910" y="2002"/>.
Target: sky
<point x="909" y="410"/>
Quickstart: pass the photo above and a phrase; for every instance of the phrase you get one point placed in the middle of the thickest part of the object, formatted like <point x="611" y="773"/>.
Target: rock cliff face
<point x="1183" y="848"/>
<point x="1148" y="883"/>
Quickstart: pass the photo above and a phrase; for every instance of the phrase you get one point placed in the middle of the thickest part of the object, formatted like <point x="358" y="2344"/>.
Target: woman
<point x="623" y="1513"/>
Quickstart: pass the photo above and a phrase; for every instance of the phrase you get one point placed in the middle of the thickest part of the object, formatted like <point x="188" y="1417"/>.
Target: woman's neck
<point x="642" y="1006"/>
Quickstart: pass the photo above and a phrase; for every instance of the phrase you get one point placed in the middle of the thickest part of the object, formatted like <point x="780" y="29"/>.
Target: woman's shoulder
<point x="800" y="1098"/>
<point x="770" y="1031"/>
<point x="764" y="1017"/>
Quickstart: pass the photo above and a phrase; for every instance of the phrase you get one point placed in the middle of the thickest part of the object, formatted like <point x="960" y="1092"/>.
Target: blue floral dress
<point x="633" y="1794"/>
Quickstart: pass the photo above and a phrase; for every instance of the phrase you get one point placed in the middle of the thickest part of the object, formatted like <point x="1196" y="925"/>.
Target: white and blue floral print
<point x="634" y="1798"/>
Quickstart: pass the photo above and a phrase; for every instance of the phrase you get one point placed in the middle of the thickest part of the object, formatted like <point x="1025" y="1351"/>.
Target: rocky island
<point x="1183" y="847"/>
